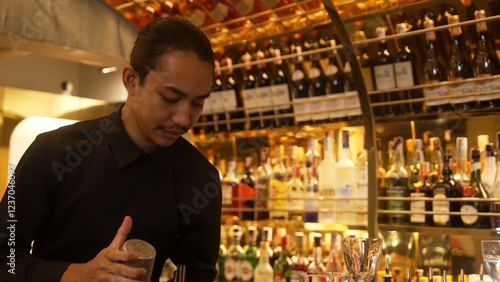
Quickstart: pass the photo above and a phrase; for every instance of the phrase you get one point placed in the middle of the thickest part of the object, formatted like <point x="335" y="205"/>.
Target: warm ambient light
<point x="108" y="70"/>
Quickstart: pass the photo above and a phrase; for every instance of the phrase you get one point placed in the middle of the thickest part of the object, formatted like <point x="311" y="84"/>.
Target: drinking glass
<point x="491" y="258"/>
<point x="362" y="257"/>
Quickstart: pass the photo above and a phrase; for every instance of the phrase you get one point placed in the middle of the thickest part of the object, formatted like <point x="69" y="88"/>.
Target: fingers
<point x="122" y="233"/>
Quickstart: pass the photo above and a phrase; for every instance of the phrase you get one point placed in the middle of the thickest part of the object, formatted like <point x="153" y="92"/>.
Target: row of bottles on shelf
<point x="449" y="187"/>
<point x="296" y="188"/>
<point x="276" y="257"/>
<point x="319" y="86"/>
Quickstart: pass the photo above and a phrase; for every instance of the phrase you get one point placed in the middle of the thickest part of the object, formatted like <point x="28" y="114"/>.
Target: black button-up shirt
<point x="73" y="187"/>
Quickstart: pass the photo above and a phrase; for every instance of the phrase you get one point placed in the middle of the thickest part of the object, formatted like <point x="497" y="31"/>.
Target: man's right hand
<point x="110" y="264"/>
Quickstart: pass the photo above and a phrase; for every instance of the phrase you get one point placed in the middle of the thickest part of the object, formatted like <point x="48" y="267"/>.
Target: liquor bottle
<point x="267" y="238"/>
<point x="485" y="63"/>
<point x="336" y="256"/>
<point x="246" y="189"/>
<point x="264" y="271"/>
<point x="475" y="190"/>
<point x="310" y="195"/>
<point x="446" y="187"/>
<point x="230" y="186"/>
<point x="496" y="186"/>
<point x="406" y="73"/>
<point x="283" y="265"/>
<point x="381" y="174"/>
<point x="415" y="157"/>
<point x="277" y="186"/>
<point x="295" y="186"/>
<point x="217" y="97"/>
<point x="326" y="181"/>
<point x="346" y="175"/>
<point x="433" y="73"/>
<point x="383" y="73"/>
<point x="263" y="175"/>
<point x="249" y="91"/>
<point x="317" y="87"/>
<point x="335" y="85"/>
<point x="233" y="102"/>
<point x="281" y="92"/>
<point x="459" y="68"/>
<point x="426" y="188"/>
<point x="462" y="174"/>
<point x="264" y="94"/>
<point x="397" y="183"/>
<point x="250" y="256"/>
<point x="417" y="188"/>
<point x="490" y="168"/>
<point x="364" y="60"/>
<point x="300" y="90"/>
<point x="299" y="261"/>
<point x="316" y="266"/>
<point x="234" y="253"/>
<point x="435" y="159"/>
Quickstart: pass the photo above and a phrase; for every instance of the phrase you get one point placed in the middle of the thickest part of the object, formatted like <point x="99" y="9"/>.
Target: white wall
<point x="45" y="74"/>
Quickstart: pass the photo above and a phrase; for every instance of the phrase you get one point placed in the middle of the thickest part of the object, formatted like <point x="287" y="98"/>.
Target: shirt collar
<point x="125" y="151"/>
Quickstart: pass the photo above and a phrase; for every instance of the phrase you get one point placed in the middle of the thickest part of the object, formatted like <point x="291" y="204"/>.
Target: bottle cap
<point x="430" y="35"/>
<point x="456" y="30"/>
<point x="480" y="26"/>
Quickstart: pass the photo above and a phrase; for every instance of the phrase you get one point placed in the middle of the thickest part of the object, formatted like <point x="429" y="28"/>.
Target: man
<point x="78" y="188"/>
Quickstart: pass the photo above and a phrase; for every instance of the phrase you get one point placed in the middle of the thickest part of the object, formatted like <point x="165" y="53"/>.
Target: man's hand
<point x="110" y="263"/>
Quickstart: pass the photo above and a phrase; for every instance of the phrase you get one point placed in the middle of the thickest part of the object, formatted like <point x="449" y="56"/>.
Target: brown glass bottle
<point x="445" y="188"/>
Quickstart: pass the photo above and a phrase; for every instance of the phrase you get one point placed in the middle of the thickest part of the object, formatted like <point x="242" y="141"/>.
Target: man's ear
<point x="129" y="79"/>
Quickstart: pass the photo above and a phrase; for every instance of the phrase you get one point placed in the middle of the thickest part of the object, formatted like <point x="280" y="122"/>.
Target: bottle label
<point x="227" y="192"/>
<point x="384" y="76"/>
<point x="415" y="207"/>
<point x="336" y="106"/>
<point x="281" y="96"/>
<point x="207" y="107"/>
<point x="198" y="17"/>
<point x="230" y="102"/>
<point x="277" y="189"/>
<point x="264" y="98"/>
<point x="231" y="269"/>
<point x="468" y="191"/>
<point x="432" y="92"/>
<point x="250" y="100"/>
<point x="404" y="74"/>
<point x="395" y="191"/>
<point x="246" y="270"/>
<point x="319" y="108"/>
<point x="245" y="7"/>
<point x="217" y="98"/>
<point x="353" y="107"/>
<point x="220" y="12"/>
<point x="297" y="75"/>
<point x="270" y="3"/>
<point x="440" y="206"/>
<point x="469" y="219"/>
<point x="314" y="73"/>
<point x="262" y="193"/>
<point x="301" y="109"/>
<point x="331" y="70"/>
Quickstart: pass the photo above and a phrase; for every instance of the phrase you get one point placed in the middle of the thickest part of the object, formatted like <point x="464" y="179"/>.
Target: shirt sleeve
<point x="199" y="201"/>
<point x="23" y="209"/>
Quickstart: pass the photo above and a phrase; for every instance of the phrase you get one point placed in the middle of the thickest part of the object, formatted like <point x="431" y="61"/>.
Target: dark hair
<point x="163" y="35"/>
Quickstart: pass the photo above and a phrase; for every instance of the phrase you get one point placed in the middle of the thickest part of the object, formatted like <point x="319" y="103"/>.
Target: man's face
<point x="170" y="100"/>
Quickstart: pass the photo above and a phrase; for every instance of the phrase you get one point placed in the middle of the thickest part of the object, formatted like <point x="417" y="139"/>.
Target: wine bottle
<point x="230" y="186"/>
<point x="462" y="175"/>
<point x="490" y="168"/>
<point x="299" y="261"/>
<point x="263" y="175"/>
<point x="426" y="188"/>
<point x="246" y="189"/>
<point x="300" y="90"/>
<point x="433" y="73"/>
<point x="283" y="265"/>
<point x="383" y="73"/>
<point x="264" y="94"/>
<point x="335" y="85"/>
<point x="295" y="186"/>
<point x="277" y="186"/>
<point x="396" y="182"/>
<point x="477" y="190"/>
<point x="406" y="73"/>
<point x="435" y="159"/>
<point x="249" y="91"/>
<point x="485" y="64"/>
<point x="381" y="173"/>
<point x="496" y="186"/>
<point x="233" y="102"/>
<point x="460" y="69"/>
<point x="316" y="266"/>
<point x="317" y="87"/>
<point x="311" y="189"/>
<point x="281" y="92"/>
<point x="251" y="255"/>
<point x="217" y="97"/>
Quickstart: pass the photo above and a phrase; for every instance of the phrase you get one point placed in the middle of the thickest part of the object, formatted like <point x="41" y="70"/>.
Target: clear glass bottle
<point x="477" y="190"/>
<point x="263" y="175"/>
<point x="264" y="271"/>
<point x="435" y="159"/>
<point x="230" y="186"/>
<point x="397" y="183"/>
<point x="250" y="256"/>
<point x="295" y="186"/>
<point x="346" y="183"/>
<point x="462" y="173"/>
<point x="299" y="261"/>
<point x="234" y="253"/>
<point x="490" y="168"/>
<point x="326" y="181"/>
<point x="277" y="186"/>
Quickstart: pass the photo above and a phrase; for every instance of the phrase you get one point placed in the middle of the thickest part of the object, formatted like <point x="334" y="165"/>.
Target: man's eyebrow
<point x="182" y="93"/>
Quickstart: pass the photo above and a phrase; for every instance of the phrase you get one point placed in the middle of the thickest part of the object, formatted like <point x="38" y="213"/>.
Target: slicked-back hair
<point x="164" y="35"/>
